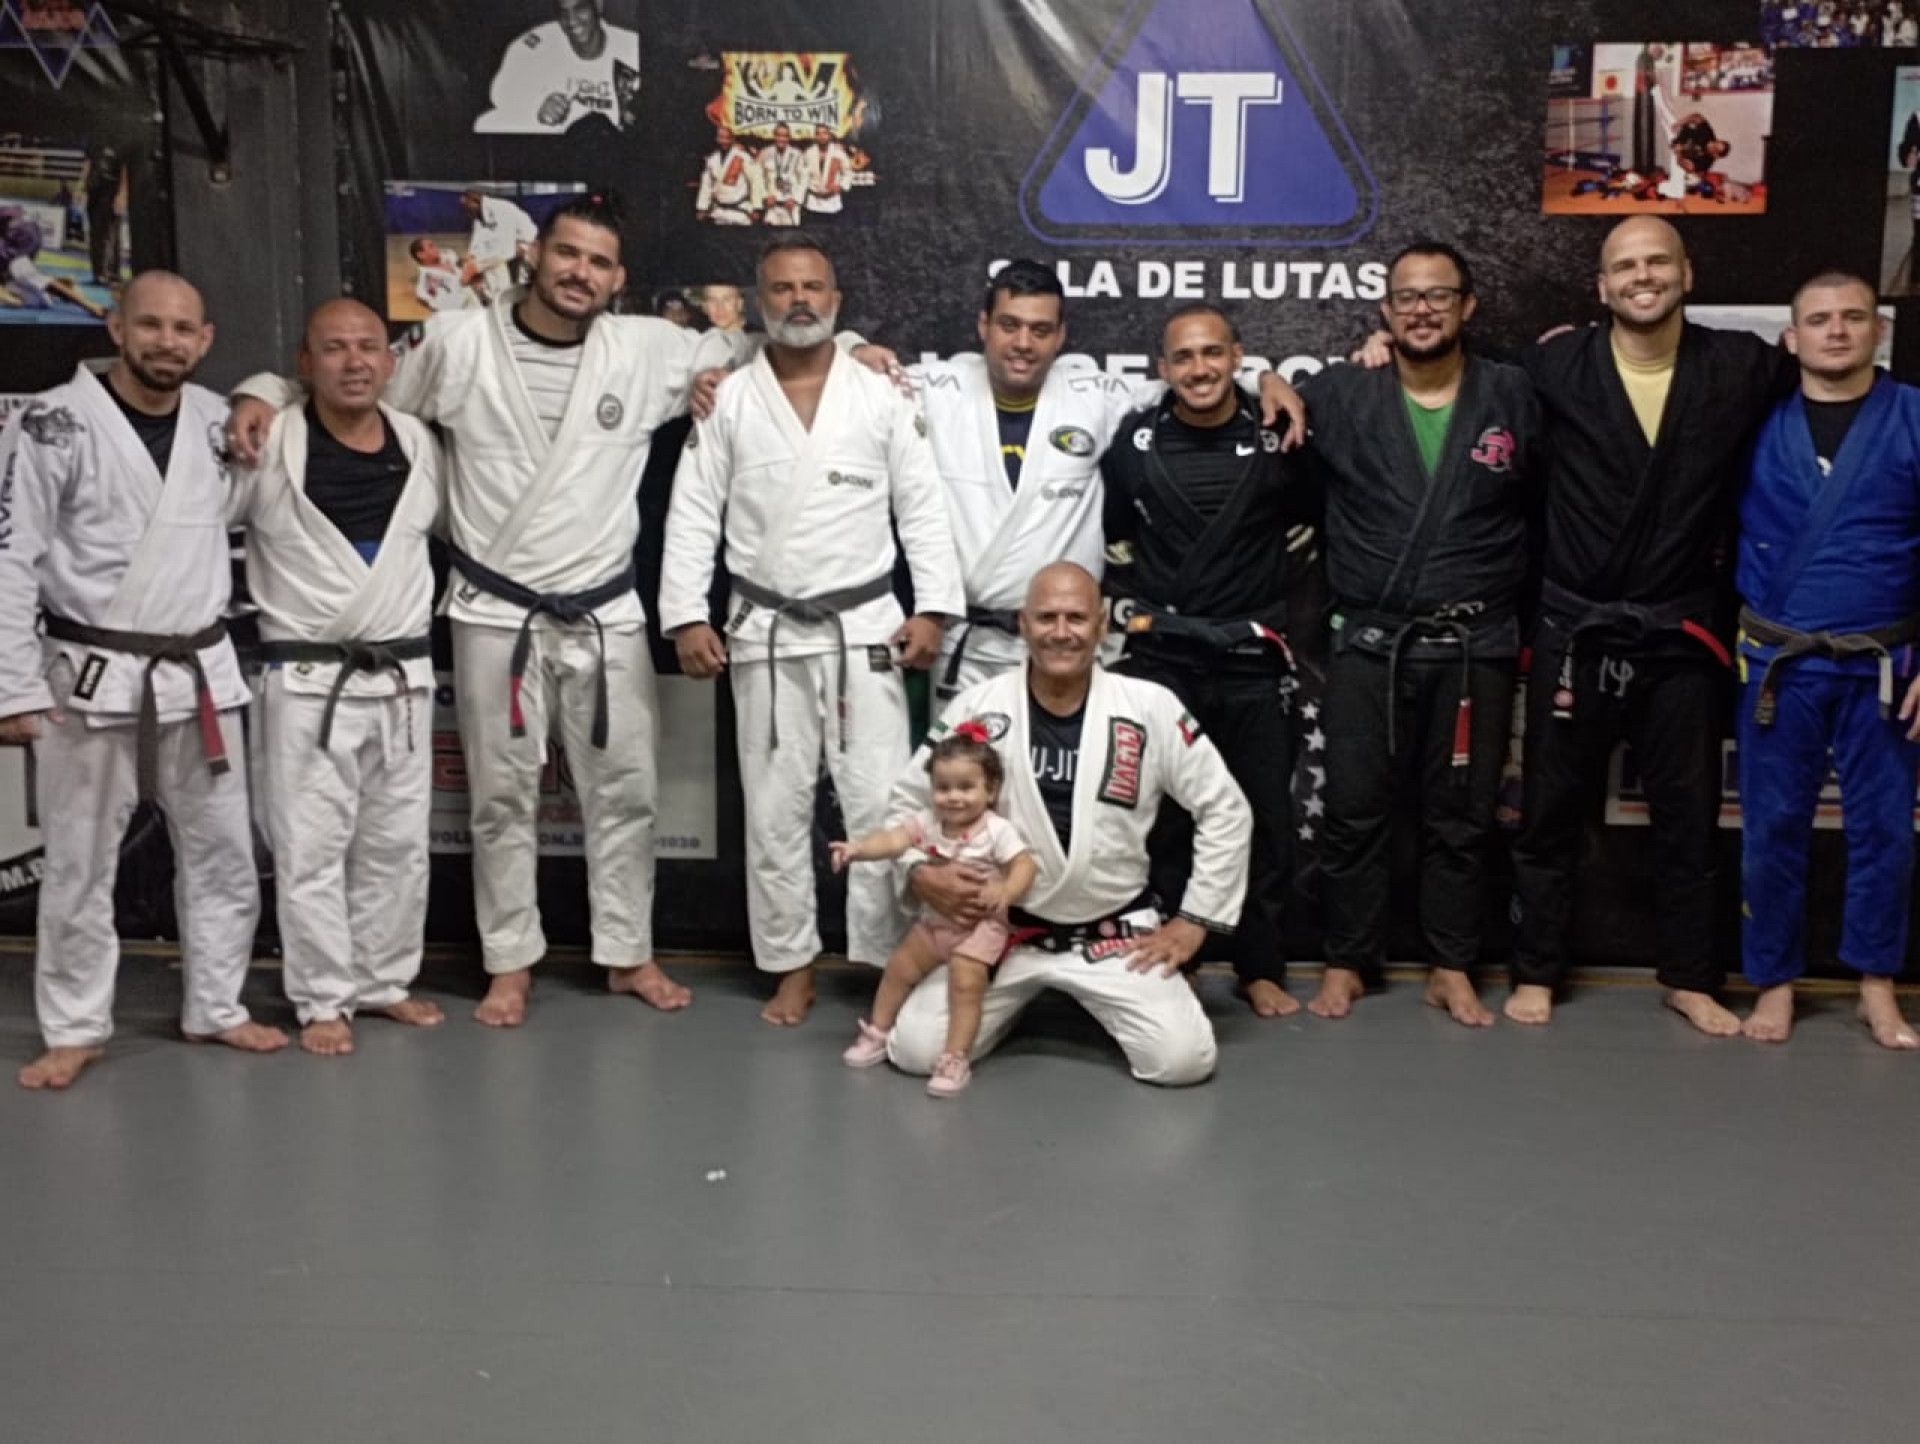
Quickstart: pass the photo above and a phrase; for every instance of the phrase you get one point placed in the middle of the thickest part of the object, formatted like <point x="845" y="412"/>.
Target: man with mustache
<point x="1200" y="493"/>
<point x="1090" y="757"/>
<point x="1427" y="468"/>
<point x="782" y="179"/>
<point x="1829" y="569"/>
<point x="1648" y="421"/>
<point x="112" y="529"/>
<point x="338" y="514"/>
<point x="552" y="404"/>
<point x="805" y="468"/>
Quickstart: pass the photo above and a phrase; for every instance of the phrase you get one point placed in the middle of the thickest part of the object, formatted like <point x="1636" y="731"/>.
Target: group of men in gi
<point x="1009" y="484"/>
<point x="779" y="185"/>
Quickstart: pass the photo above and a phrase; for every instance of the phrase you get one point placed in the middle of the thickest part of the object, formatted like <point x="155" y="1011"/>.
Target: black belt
<point x="183" y="650"/>
<point x="1633" y="622"/>
<point x="352" y="657"/>
<point x="1222" y="634"/>
<point x="562" y="607"/>
<point x="1094" y="940"/>
<point x="1455" y="622"/>
<point x="826" y="607"/>
<point x="1008" y="622"/>
<point x="1791" y="643"/>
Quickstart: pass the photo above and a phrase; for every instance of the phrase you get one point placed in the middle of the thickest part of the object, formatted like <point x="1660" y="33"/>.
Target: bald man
<point x="1089" y="757"/>
<point x="1649" y="419"/>
<point x="337" y="515"/>
<point x="113" y="493"/>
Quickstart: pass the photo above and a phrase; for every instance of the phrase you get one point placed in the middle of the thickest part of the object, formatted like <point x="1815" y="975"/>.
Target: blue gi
<point x="1837" y="553"/>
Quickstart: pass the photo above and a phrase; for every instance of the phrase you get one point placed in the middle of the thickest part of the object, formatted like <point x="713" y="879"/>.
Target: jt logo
<point x="1226" y="97"/>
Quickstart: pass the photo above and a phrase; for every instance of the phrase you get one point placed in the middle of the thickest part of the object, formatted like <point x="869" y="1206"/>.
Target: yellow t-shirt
<point x="1647" y="384"/>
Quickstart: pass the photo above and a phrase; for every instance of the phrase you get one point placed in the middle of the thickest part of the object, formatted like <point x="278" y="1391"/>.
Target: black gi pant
<point x="1239" y="705"/>
<point x="1364" y="780"/>
<point x="1669" y="710"/>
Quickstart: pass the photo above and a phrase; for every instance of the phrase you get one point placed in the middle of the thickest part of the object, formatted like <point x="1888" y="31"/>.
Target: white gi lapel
<point x="1009" y="503"/>
<point x="188" y="517"/>
<point x="526" y="416"/>
<point x="808" y="446"/>
<point x="396" y="567"/>
<point x="336" y="552"/>
<point x="115" y="434"/>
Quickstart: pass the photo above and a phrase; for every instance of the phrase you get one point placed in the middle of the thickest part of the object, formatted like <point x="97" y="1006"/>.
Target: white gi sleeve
<point x="696" y="522"/>
<point x="1193" y="775"/>
<point x="920" y="513"/>
<point x="30" y="484"/>
<point x="703" y="202"/>
<point x="279" y="392"/>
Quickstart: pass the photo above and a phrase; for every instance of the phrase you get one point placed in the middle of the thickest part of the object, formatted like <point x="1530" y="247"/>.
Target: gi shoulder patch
<point x="1126" y="754"/>
<point x="53" y="426"/>
<point x="998" y="724"/>
<point x="1073" y="440"/>
<point x="1143" y="438"/>
<point x="91" y="672"/>
<point x="609" y="412"/>
<point x="1189" y="728"/>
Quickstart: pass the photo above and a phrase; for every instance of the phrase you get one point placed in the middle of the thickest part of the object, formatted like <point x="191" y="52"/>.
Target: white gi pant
<point x="730" y="215"/>
<point x="617" y="787"/>
<point x="1155" y="1019"/>
<point x="86" y="789"/>
<point x="779" y="785"/>
<point x="348" y="828"/>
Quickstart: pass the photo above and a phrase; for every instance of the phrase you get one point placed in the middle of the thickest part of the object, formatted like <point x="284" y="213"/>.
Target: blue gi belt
<point x="562" y="607"/>
<point x="352" y="657"/>
<point x="183" y="651"/>
<point x="1008" y="622"/>
<point x="827" y="608"/>
<point x="1790" y="644"/>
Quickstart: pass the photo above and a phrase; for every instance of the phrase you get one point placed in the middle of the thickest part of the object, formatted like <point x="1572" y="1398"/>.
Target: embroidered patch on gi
<point x="850" y="478"/>
<point x="1126" y="751"/>
<point x="739" y="617"/>
<point x="693" y="439"/>
<point x="1269" y="440"/>
<point x="53" y="426"/>
<point x="919" y="423"/>
<point x="91" y="672"/>
<point x="880" y="659"/>
<point x="609" y="412"/>
<point x="997" y="724"/>
<point x="217" y="444"/>
<point x="1495" y="449"/>
<point x="1143" y="439"/>
<point x="1074" y="440"/>
<point x="1189" y="728"/>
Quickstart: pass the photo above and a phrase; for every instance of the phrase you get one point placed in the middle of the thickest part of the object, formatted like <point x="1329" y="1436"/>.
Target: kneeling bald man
<point x="1089" y="755"/>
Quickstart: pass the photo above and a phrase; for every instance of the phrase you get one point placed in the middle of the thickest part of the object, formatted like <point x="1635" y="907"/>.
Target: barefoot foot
<point x="1338" y="989"/>
<point x="1268" y="999"/>
<point x="328" y="1038"/>
<point x="1879" y="1009"/>
<point x="792" y="1000"/>
<point x="1452" y="989"/>
<point x="650" y="985"/>
<point x="248" y="1037"/>
<point x="58" y="1067"/>
<point x="1771" y="1020"/>
<point x="414" y="1012"/>
<point x="505" y="1005"/>
<point x="1703" y="1011"/>
<point x="1530" y="1003"/>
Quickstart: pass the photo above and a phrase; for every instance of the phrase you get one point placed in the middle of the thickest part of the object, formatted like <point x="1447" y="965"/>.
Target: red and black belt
<point x="184" y="651"/>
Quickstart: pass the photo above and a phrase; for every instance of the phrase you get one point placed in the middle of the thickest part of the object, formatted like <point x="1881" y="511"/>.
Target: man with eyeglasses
<point x="1426" y="469"/>
<point x="1648" y="422"/>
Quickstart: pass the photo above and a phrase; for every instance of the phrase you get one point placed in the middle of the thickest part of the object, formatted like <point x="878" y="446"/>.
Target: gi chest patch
<point x="91" y="671"/>
<point x="609" y="412"/>
<point x="997" y="724"/>
<point x="1143" y="439"/>
<point x="1126" y="752"/>
<point x="1073" y="440"/>
<point x="851" y="478"/>
<point x="1269" y="441"/>
<point x="1495" y="448"/>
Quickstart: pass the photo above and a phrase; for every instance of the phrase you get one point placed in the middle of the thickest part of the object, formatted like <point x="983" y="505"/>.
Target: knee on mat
<point x="1177" y="1063"/>
<point x="915" y="1044"/>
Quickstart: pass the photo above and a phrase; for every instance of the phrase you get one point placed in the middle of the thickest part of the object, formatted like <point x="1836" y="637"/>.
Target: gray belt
<point x="825" y="607"/>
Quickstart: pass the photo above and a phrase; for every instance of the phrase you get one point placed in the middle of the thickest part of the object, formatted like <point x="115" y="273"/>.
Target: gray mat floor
<point x="1388" y="1229"/>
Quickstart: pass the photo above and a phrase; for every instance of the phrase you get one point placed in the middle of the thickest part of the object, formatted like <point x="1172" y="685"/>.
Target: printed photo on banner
<point x="571" y="64"/>
<point x="1900" y="245"/>
<point x="713" y="306"/>
<point x="1657" y="126"/>
<point x="64" y="246"/>
<point x="1840" y="24"/>
<point x="456" y="244"/>
<point x="790" y="134"/>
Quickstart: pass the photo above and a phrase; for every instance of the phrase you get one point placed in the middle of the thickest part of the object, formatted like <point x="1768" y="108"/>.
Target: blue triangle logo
<point x="1202" y="123"/>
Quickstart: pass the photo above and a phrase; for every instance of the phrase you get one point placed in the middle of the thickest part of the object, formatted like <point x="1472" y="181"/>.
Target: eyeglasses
<point x="1438" y="298"/>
